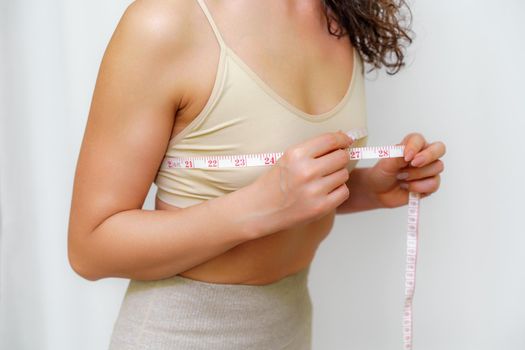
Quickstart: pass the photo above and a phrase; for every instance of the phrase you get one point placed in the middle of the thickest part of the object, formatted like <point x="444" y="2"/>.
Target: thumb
<point x="391" y="166"/>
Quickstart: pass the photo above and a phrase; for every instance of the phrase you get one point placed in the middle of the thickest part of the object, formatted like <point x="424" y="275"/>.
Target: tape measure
<point x="368" y="152"/>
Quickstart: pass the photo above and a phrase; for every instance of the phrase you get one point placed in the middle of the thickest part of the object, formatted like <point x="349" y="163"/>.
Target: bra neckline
<point x="285" y="103"/>
<point x="226" y="52"/>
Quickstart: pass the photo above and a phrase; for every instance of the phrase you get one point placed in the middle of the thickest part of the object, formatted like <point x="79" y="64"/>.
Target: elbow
<point x="82" y="268"/>
<point x="80" y="262"/>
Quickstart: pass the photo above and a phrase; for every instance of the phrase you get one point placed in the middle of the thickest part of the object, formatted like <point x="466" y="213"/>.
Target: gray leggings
<point x="182" y="313"/>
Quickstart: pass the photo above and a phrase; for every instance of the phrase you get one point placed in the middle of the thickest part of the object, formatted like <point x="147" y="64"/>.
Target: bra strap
<point x="216" y="30"/>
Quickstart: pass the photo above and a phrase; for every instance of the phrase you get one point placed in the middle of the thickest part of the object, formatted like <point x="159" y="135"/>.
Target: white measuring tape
<point x="369" y="152"/>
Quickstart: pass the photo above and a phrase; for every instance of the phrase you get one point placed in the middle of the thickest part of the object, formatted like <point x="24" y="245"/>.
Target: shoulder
<point x="159" y="25"/>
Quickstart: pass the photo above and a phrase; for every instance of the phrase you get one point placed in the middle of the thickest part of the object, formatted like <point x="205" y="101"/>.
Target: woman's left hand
<point x="390" y="179"/>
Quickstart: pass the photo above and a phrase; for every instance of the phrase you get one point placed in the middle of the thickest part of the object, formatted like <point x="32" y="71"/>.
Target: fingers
<point x="413" y="142"/>
<point x="429" y="170"/>
<point x="427" y="185"/>
<point x="337" y="196"/>
<point x="326" y="143"/>
<point x="423" y="177"/>
<point x="331" y="162"/>
<point x="330" y="182"/>
<point x="434" y="151"/>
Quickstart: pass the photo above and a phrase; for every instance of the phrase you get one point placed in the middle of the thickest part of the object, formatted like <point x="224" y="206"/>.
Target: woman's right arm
<point x="138" y="91"/>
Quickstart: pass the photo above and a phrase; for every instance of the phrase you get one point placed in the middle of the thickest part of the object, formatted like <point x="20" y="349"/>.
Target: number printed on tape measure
<point x="261" y="159"/>
<point x="367" y="152"/>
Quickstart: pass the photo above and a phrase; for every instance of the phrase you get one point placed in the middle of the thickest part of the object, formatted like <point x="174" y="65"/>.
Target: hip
<point x="183" y="313"/>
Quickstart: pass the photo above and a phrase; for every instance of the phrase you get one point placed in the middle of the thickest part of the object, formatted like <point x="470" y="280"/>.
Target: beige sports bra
<point x="243" y="115"/>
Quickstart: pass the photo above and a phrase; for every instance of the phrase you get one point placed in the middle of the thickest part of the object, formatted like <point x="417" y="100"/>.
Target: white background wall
<point x="464" y="85"/>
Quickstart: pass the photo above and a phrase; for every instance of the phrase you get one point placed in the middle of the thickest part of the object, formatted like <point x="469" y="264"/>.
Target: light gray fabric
<point x="182" y="313"/>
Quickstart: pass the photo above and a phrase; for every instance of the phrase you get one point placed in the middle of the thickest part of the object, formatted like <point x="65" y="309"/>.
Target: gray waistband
<point x="183" y="313"/>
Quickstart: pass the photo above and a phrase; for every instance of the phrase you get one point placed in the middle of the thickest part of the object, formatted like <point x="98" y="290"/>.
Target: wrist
<point x="249" y="216"/>
<point x="233" y="211"/>
<point x="371" y="195"/>
<point x="362" y="197"/>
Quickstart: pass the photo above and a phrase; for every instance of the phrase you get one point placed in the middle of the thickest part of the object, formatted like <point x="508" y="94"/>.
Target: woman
<point x="222" y="262"/>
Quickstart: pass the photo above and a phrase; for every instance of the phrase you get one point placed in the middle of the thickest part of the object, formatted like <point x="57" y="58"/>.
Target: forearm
<point x="156" y="244"/>
<point x="361" y="197"/>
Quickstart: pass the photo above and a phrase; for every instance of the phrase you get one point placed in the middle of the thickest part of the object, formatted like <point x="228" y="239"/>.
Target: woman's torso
<point x="303" y="72"/>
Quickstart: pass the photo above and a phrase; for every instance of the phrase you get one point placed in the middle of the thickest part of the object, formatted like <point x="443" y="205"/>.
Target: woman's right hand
<point x="307" y="182"/>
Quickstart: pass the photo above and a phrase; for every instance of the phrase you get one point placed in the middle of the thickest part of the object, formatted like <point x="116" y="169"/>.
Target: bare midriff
<point x="270" y="258"/>
<point x="262" y="260"/>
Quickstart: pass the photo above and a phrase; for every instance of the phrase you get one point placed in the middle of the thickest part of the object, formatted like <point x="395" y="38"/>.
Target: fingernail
<point x="350" y="137"/>
<point x="404" y="185"/>
<point x="409" y="155"/>
<point x="417" y="161"/>
<point x="402" y="176"/>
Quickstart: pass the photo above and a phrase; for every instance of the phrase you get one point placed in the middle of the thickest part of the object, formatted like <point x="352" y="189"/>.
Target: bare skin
<point x="298" y="33"/>
<point x="156" y="76"/>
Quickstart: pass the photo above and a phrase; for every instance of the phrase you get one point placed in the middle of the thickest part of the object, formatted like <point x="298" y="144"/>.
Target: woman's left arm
<point x="387" y="183"/>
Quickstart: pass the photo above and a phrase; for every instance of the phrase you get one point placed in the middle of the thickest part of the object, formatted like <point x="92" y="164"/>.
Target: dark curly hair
<point x="378" y="29"/>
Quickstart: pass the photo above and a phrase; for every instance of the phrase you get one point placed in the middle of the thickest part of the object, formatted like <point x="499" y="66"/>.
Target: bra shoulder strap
<point x="216" y="30"/>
